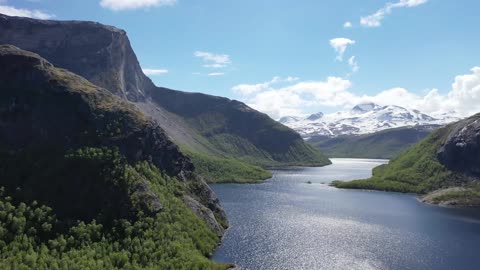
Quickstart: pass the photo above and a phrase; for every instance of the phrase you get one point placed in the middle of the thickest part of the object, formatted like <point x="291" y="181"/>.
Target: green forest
<point x="33" y="236"/>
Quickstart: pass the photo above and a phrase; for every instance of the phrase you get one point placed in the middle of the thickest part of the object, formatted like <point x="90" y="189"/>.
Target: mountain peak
<point x="364" y="107"/>
<point x="315" y="116"/>
<point x="289" y="119"/>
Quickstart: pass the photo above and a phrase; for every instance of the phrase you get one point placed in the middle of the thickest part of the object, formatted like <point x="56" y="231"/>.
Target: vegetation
<point x="33" y="236"/>
<point x="416" y="170"/>
<point x="227" y="170"/>
<point x="221" y="128"/>
<point x="88" y="182"/>
<point x="455" y="196"/>
<point x="385" y="144"/>
<point x="239" y="161"/>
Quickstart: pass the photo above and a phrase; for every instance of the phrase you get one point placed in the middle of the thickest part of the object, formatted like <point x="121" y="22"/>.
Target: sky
<point x="286" y="57"/>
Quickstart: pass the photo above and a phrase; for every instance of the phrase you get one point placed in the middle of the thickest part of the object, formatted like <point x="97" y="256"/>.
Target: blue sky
<point x="278" y="55"/>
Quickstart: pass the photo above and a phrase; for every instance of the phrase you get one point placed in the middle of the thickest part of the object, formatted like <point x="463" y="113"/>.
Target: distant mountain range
<point x="385" y="144"/>
<point x="362" y="119"/>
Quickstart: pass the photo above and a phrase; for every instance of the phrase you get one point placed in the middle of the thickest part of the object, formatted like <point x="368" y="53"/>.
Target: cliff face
<point x="63" y="141"/>
<point x="203" y="123"/>
<point x="100" y="53"/>
<point x="461" y="149"/>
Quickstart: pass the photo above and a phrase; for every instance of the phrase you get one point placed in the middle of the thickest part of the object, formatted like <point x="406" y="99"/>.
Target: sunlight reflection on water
<point x="286" y="223"/>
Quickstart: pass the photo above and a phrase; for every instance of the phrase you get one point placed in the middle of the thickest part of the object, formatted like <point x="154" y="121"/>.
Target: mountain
<point x="202" y="125"/>
<point x="363" y="118"/>
<point x="384" y="144"/>
<point x="88" y="181"/>
<point x="446" y="165"/>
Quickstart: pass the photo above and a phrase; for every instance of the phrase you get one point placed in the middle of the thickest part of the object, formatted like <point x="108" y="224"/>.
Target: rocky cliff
<point x="461" y="149"/>
<point x="102" y="54"/>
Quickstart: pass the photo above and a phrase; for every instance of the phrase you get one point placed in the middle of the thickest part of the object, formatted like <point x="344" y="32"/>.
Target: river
<point x="287" y="223"/>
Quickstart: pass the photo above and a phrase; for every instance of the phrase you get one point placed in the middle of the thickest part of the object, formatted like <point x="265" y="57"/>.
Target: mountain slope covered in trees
<point x="89" y="182"/>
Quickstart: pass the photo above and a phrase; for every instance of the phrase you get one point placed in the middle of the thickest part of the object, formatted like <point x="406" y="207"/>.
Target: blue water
<point x="286" y="223"/>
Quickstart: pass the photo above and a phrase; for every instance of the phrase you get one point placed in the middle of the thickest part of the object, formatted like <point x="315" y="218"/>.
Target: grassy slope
<point x="236" y="160"/>
<point x="219" y="128"/>
<point x="417" y="170"/>
<point x="244" y="163"/>
<point x="227" y="170"/>
<point x="384" y="144"/>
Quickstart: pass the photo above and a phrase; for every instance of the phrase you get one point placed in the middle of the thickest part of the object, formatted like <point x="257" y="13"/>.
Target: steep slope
<point x="362" y="119"/>
<point x="448" y="160"/>
<point x="78" y="163"/>
<point x="198" y="123"/>
<point x="384" y="144"/>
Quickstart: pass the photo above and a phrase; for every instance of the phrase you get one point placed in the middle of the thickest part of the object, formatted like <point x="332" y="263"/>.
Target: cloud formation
<point x="20" y="12"/>
<point x="153" y="71"/>
<point x="353" y="63"/>
<point x="297" y="98"/>
<point x="347" y="25"/>
<point x="248" y="89"/>
<point x="340" y="46"/>
<point x="375" y="19"/>
<point x="118" y="5"/>
<point x="213" y="60"/>
<point x="216" y="74"/>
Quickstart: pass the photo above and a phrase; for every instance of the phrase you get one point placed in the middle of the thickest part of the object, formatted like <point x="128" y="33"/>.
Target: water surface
<point x="286" y="223"/>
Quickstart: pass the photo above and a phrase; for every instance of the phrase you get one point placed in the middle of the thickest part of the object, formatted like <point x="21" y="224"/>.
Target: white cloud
<point x="295" y="99"/>
<point x="340" y="45"/>
<point x="347" y="25"/>
<point x="248" y="89"/>
<point x="216" y="74"/>
<point x="152" y="71"/>
<point x="20" y="12"/>
<point x="118" y="5"/>
<point x="214" y="65"/>
<point x="213" y="60"/>
<point x="375" y="19"/>
<point x="353" y="63"/>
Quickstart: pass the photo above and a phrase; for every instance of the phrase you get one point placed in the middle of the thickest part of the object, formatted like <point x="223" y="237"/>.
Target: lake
<point x="286" y="223"/>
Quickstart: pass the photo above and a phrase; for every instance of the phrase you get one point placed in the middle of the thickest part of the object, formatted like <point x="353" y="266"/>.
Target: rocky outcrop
<point x="454" y="196"/>
<point x="204" y="213"/>
<point x="100" y="53"/>
<point x="461" y="149"/>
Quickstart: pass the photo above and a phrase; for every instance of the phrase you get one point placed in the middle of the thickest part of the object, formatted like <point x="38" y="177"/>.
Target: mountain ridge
<point x="365" y="118"/>
<point x="197" y="122"/>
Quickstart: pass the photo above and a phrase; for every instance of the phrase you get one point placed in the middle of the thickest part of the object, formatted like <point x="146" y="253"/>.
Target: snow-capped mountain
<point x="362" y="119"/>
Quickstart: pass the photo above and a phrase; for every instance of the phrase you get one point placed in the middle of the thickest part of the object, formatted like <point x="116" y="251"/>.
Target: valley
<point x="167" y="134"/>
